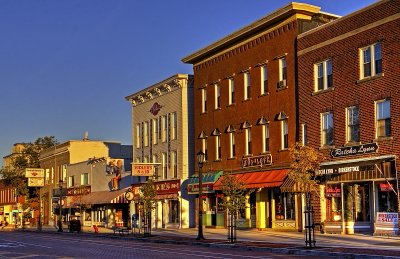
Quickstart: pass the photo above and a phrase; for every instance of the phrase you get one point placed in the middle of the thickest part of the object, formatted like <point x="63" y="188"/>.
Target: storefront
<point x="356" y="191"/>
<point x="213" y="214"/>
<point x="267" y="206"/>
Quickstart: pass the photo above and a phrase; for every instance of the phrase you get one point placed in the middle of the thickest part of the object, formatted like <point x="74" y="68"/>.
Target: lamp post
<point x="200" y="161"/>
<point x="60" y="229"/>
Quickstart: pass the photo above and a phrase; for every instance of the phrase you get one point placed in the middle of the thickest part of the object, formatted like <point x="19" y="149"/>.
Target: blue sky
<point x="66" y="65"/>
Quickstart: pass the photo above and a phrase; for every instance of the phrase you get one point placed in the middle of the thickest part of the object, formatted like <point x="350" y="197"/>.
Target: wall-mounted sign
<point x="257" y="161"/>
<point x="35" y="182"/>
<point x="332" y="191"/>
<point x="143" y="169"/>
<point x="168" y="187"/>
<point x="339" y="170"/>
<point x="80" y="190"/>
<point x="34" y="172"/>
<point x="386" y="187"/>
<point x="354" y="150"/>
<point x="155" y="109"/>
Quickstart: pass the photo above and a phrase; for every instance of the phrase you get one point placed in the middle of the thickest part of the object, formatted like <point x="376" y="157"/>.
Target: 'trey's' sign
<point x="354" y="150"/>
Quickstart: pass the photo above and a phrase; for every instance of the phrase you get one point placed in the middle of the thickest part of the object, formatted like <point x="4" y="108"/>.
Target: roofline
<point x="266" y="21"/>
<point x="341" y="18"/>
<point x="161" y="83"/>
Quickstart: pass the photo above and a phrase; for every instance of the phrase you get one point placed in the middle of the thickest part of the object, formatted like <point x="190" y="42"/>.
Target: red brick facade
<point x="341" y="42"/>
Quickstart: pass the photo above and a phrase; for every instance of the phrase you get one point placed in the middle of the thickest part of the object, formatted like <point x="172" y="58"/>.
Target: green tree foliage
<point x="305" y="162"/>
<point x="234" y="194"/>
<point x="29" y="158"/>
<point x="148" y="196"/>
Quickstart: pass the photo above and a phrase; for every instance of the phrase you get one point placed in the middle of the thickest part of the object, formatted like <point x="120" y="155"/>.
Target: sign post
<point x="36" y="179"/>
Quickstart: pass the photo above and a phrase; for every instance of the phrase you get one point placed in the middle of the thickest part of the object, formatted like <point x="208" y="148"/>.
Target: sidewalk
<point x="342" y="246"/>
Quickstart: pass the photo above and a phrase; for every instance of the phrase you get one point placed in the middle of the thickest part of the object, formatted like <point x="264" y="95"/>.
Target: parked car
<point x="74" y="224"/>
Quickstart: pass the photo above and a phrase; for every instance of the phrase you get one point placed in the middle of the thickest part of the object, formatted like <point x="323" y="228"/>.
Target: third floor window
<point x="323" y="75"/>
<point x="371" y="61"/>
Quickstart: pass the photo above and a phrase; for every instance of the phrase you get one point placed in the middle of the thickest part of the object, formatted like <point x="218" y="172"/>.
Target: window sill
<point x="281" y="88"/>
<point x="352" y="143"/>
<point x="265" y="153"/>
<point x="232" y="158"/>
<point x="217" y="109"/>
<point x="326" y="147"/>
<point x="328" y="90"/>
<point x="381" y="139"/>
<point x="218" y="160"/>
<point x="283" y="150"/>
<point x="247" y="100"/>
<point x="248" y="155"/>
<point x="370" y="78"/>
<point x="230" y="105"/>
<point x="203" y="113"/>
<point x="262" y="95"/>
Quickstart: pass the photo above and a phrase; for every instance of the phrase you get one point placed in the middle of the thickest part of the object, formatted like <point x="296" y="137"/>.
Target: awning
<point x="208" y="181"/>
<point x="262" y="179"/>
<point x="105" y="197"/>
<point x="289" y="185"/>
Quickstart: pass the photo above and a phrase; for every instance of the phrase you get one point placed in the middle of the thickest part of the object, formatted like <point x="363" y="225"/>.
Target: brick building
<point x="348" y="79"/>
<point x="245" y="114"/>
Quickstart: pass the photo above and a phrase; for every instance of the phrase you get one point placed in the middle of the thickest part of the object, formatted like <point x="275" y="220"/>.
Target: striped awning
<point x="105" y="197"/>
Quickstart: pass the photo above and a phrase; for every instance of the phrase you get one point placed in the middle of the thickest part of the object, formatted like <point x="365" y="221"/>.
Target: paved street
<point x="48" y="245"/>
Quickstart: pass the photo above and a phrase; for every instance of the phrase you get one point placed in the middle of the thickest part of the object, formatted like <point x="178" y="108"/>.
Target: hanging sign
<point x="143" y="169"/>
<point x="34" y="172"/>
<point x="332" y="191"/>
<point x="354" y="150"/>
<point x="35" y="182"/>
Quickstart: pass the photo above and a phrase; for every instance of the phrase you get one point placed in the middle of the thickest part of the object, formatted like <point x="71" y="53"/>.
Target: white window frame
<point x="327" y="124"/>
<point x="164" y="165"/>
<point x="265" y="137"/>
<point x="264" y="79"/>
<point x="155" y="131"/>
<point x="323" y="75"/>
<point x="248" y="141"/>
<point x="164" y="128"/>
<point x="232" y="145"/>
<point x="282" y="69"/>
<point x="375" y="56"/>
<point x="304" y="134"/>
<point x="217" y="147"/>
<point x="83" y="177"/>
<point x="247" y="85"/>
<point x="231" y="86"/>
<point x="350" y="121"/>
<point x="204" y="148"/>
<point x="174" y="126"/>
<point x="381" y="115"/>
<point x="146" y="134"/>
<point x="138" y="127"/>
<point x="204" y="100"/>
<point x="217" y="95"/>
<point x="284" y="134"/>
<point x="174" y="164"/>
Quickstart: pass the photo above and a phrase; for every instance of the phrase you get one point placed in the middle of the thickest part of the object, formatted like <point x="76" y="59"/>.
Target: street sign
<point x="35" y="182"/>
<point x="34" y="173"/>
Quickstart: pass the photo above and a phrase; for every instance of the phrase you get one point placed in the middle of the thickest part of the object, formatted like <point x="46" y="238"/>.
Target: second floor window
<point x="164" y="166"/>
<point x="155" y="160"/>
<point x="137" y="135"/>
<point x="204" y="148"/>
<point x="248" y="150"/>
<point x="217" y="96"/>
<point x="353" y="129"/>
<point x="323" y="75"/>
<point x="265" y="135"/>
<point x="174" y="164"/>
<point x="327" y="129"/>
<point x="285" y="134"/>
<point x="218" y="147"/>
<point x="371" y="60"/>
<point x="174" y="126"/>
<point x="282" y="72"/>
<point x="84" y="179"/>
<point x="232" y="142"/>
<point x="164" y="128"/>
<point x="231" y="85"/>
<point x="146" y="134"/>
<point x="264" y="79"/>
<point x="155" y="131"/>
<point x="203" y="100"/>
<point x="247" y="86"/>
<point x="383" y="120"/>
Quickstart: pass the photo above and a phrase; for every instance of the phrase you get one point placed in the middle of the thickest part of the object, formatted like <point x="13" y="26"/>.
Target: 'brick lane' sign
<point x="354" y="150"/>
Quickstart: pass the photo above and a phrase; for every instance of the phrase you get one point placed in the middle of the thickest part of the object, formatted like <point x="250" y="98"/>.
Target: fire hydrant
<point x="96" y="229"/>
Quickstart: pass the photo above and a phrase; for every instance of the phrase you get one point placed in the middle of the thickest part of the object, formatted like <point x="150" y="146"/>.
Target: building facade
<point x="349" y="100"/>
<point x="245" y="114"/>
<point x="162" y="133"/>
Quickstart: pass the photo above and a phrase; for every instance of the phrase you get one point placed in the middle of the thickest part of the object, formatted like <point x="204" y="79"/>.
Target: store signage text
<point x="339" y="170"/>
<point x="168" y="187"/>
<point x="142" y="169"/>
<point x="354" y="150"/>
<point x="333" y="191"/>
<point x="387" y="217"/>
<point x="194" y="188"/>
<point x="255" y="161"/>
<point x="386" y="187"/>
<point x="76" y="191"/>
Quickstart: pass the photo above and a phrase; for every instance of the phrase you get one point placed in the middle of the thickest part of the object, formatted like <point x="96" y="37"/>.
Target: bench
<point x="121" y="230"/>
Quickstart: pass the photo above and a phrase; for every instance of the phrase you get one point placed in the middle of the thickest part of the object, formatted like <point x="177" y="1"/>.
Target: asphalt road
<point x="48" y="245"/>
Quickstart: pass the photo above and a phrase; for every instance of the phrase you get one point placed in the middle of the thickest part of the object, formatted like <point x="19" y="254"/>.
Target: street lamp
<point x="200" y="161"/>
<point x="60" y="184"/>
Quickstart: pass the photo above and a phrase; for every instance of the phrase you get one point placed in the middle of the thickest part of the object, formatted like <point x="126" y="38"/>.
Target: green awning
<point x="208" y="181"/>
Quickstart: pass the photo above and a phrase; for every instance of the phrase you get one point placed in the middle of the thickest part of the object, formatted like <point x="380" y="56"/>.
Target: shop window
<point x="386" y="198"/>
<point x="357" y="202"/>
<point x="334" y="202"/>
<point x="284" y="205"/>
<point x="174" y="211"/>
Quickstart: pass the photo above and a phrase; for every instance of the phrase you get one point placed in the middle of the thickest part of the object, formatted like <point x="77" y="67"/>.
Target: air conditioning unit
<point x="282" y="83"/>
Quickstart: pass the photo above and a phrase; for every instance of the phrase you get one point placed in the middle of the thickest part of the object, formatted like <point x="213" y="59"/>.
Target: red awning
<point x="273" y="178"/>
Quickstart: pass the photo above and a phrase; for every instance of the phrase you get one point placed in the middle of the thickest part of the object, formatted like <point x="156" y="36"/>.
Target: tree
<point x="234" y="201"/>
<point x="148" y="202"/>
<point x="304" y="165"/>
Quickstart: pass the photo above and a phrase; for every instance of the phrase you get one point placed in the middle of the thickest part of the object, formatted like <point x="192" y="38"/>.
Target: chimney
<point x="86" y="136"/>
